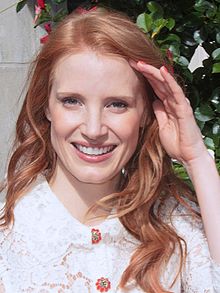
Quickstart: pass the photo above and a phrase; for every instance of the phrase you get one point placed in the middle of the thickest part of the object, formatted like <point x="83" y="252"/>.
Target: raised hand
<point x="179" y="133"/>
<point x="182" y="140"/>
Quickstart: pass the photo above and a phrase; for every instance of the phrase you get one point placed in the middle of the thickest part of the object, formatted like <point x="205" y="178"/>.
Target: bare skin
<point x="182" y="140"/>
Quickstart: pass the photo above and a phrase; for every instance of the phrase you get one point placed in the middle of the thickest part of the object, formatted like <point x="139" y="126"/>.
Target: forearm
<point x="206" y="181"/>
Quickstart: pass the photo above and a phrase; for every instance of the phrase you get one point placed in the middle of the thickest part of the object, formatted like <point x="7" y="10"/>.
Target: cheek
<point x="62" y="124"/>
<point x="129" y="128"/>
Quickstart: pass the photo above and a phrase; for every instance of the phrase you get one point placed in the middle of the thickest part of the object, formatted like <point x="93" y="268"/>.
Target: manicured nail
<point x="141" y="62"/>
<point x="165" y="68"/>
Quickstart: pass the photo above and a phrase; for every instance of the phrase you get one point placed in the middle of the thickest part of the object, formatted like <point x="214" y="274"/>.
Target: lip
<point x="93" y="145"/>
<point x="93" y="158"/>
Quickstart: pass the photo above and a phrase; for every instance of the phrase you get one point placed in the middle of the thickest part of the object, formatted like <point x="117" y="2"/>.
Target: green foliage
<point x="20" y="5"/>
<point x="178" y="27"/>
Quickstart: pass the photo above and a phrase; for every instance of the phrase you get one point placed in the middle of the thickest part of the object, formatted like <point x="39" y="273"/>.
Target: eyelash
<point x="119" y="104"/>
<point x="70" y="101"/>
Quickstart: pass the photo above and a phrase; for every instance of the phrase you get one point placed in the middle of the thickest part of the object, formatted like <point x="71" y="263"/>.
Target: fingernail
<point x="141" y="62"/>
<point x="165" y="68"/>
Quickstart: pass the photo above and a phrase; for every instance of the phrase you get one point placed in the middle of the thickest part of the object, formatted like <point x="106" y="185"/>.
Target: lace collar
<point x="40" y="214"/>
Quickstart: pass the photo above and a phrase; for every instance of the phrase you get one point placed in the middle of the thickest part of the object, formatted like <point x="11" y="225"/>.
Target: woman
<point x="92" y="203"/>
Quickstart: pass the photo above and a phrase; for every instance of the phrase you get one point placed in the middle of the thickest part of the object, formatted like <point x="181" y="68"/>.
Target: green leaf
<point x="141" y="22"/>
<point x="216" y="94"/>
<point x="187" y="74"/>
<point x="206" y="110"/>
<point x="182" y="61"/>
<point x="20" y="5"/>
<point x="170" y="23"/>
<point x="155" y="7"/>
<point x="209" y="143"/>
<point x="144" y="22"/>
<point x="157" y="26"/>
<point x="211" y="11"/>
<point x="206" y="7"/>
<point x="48" y="8"/>
<point x="171" y="38"/>
<point x="204" y="113"/>
<point x="216" y="68"/>
<point x="216" y="139"/>
<point x="60" y="15"/>
<point x="58" y="1"/>
<point x="201" y="124"/>
<point x="200" y="36"/>
<point x="148" y="22"/>
<point x="215" y="99"/>
<point x="44" y="17"/>
<point x="216" y="54"/>
<point x="218" y="37"/>
<point x="216" y="129"/>
<point x="175" y="50"/>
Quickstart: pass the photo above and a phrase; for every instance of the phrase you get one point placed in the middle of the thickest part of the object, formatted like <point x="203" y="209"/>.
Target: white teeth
<point x="93" y="151"/>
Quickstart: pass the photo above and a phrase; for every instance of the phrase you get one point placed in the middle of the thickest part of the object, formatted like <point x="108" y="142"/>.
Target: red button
<point x="103" y="284"/>
<point x="96" y="236"/>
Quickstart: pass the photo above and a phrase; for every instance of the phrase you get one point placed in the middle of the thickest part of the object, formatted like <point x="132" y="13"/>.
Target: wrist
<point x="202" y="163"/>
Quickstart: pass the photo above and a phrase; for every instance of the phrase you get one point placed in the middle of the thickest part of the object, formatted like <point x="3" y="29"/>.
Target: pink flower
<point x="44" y="39"/>
<point x="41" y="4"/>
<point x="37" y="13"/>
<point x="47" y="27"/>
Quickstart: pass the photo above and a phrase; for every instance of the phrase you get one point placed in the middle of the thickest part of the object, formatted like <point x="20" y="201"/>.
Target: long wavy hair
<point x="149" y="178"/>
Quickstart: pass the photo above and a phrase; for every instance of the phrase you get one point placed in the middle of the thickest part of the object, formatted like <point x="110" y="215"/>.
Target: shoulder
<point x="31" y="209"/>
<point x="38" y="226"/>
<point x="187" y="225"/>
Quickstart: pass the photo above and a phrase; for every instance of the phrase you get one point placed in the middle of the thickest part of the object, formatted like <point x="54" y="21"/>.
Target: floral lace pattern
<point x="47" y="250"/>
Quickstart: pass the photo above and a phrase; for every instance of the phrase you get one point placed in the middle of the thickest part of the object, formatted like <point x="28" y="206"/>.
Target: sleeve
<point x="201" y="274"/>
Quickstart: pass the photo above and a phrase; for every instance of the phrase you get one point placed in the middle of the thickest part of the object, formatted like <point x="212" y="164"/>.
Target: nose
<point x="94" y="127"/>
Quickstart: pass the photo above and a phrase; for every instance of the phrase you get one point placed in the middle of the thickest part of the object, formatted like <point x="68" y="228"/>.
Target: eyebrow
<point x="61" y="94"/>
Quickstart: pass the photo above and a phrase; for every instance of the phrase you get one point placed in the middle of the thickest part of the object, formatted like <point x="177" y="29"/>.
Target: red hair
<point x="149" y="172"/>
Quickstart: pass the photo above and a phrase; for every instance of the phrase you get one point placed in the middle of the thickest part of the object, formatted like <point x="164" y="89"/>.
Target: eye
<point x="118" y="105"/>
<point x="70" y="101"/>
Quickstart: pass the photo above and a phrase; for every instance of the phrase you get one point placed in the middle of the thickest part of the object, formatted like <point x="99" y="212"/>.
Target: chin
<point x="94" y="178"/>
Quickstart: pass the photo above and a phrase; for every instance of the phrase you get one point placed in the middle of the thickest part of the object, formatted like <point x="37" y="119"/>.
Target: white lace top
<point x="49" y="251"/>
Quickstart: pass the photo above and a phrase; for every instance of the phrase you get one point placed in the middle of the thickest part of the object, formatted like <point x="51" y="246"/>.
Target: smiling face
<point x="95" y="108"/>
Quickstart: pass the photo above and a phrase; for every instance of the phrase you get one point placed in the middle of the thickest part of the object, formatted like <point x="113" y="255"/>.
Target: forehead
<point x="89" y="70"/>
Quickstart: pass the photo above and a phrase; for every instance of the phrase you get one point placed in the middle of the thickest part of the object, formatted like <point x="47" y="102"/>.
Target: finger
<point x="159" y="90"/>
<point x="154" y="77"/>
<point x="150" y="71"/>
<point x="160" y="113"/>
<point x="174" y="88"/>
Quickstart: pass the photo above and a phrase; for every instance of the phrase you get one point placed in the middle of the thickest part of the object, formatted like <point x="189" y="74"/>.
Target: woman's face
<point x="95" y="108"/>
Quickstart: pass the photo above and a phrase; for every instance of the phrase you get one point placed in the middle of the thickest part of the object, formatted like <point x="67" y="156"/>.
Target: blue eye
<point x="70" y="101"/>
<point x="120" y="105"/>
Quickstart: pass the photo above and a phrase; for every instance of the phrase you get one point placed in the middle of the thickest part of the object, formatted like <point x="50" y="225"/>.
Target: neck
<point x="78" y="197"/>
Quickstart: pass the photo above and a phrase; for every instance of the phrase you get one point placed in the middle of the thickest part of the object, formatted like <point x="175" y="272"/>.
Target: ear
<point x="47" y="114"/>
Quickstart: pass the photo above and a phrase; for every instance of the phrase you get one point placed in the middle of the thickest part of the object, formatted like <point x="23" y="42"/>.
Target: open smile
<point x="94" y="151"/>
